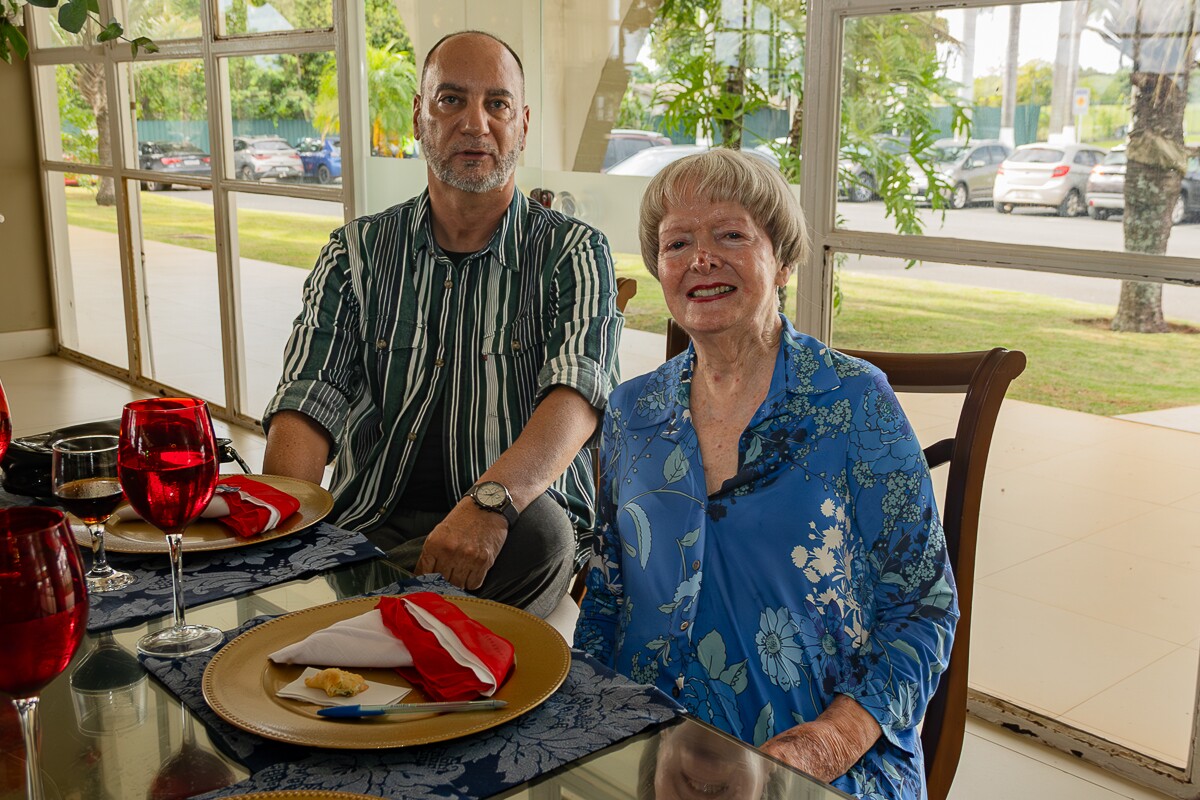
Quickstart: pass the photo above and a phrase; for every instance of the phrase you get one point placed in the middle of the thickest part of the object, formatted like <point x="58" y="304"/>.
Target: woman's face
<point x="717" y="268"/>
<point x="694" y="764"/>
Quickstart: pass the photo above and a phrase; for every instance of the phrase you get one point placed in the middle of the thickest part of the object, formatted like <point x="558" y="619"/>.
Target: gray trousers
<point x="533" y="570"/>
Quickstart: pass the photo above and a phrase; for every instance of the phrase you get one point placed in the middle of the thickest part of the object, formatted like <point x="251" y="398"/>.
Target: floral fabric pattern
<point x="819" y="569"/>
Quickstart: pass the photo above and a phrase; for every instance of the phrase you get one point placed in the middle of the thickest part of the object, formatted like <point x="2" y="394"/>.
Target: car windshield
<point x="649" y="161"/>
<point x="179" y="148"/>
<point x="947" y="153"/>
<point x="1115" y="159"/>
<point x="1038" y="155"/>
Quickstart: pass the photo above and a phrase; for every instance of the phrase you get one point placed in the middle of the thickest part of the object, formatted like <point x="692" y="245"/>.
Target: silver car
<point x="258" y="157"/>
<point x="969" y="169"/>
<point x="649" y="161"/>
<point x="1046" y="175"/>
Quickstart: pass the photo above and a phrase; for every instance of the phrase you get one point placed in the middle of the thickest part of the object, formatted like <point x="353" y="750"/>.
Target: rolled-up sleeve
<point x="581" y="350"/>
<point x="322" y="360"/>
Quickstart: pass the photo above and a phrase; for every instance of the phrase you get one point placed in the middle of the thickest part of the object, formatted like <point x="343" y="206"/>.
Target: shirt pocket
<point x="392" y="344"/>
<point x="520" y="339"/>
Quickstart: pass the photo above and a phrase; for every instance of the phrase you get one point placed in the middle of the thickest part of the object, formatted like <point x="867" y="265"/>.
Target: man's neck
<point x="463" y="222"/>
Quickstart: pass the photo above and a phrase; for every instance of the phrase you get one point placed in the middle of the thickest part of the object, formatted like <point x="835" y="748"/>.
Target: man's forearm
<point x="559" y="428"/>
<point x="296" y="447"/>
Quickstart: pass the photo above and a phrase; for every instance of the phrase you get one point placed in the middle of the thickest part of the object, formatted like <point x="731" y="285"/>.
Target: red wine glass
<point x="168" y="469"/>
<point x="5" y="423"/>
<point x="83" y="473"/>
<point x="43" y="598"/>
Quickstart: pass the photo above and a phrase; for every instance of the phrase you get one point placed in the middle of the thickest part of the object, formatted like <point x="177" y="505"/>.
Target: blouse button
<point x="695" y="565"/>
<point x="684" y="625"/>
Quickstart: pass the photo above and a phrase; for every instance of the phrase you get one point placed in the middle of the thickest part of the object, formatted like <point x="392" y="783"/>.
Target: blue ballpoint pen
<point x="358" y="711"/>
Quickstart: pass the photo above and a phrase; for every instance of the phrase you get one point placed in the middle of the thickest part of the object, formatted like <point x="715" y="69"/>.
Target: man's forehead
<point x="474" y="61"/>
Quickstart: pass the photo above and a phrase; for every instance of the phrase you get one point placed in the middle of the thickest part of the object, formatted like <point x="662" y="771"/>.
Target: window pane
<point x="80" y="110"/>
<point x="163" y="20"/>
<point x="391" y="82"/>
<point x="279" y="239"/>
<point x="171" y="114"/>
<point x="178" y="245"/>
<point x="1051" y="80"/>
<point x="87" y="267"/>
<point x="279" y="102"/>
<point x="1087" y="581"/>
<point x="247" y="16"/>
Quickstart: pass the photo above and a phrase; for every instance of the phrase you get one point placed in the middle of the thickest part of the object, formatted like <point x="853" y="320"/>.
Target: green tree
<point x="391" y="87"/>
<point x="1034" y="82"/>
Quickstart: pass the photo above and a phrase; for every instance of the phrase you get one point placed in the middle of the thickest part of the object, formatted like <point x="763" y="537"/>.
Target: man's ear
<point x="417" y="116"/>
<point x="524" y="126"/>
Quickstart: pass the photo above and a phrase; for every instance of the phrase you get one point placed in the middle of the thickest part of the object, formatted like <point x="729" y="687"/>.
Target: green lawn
<point x="1072" y="365"/>
<point x="1083" y="367"/>
<point x="281" y="238"/>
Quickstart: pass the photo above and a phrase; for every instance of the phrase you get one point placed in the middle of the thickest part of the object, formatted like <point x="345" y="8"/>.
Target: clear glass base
<point x="186" y="640"/>
<point x="107" y="580"/>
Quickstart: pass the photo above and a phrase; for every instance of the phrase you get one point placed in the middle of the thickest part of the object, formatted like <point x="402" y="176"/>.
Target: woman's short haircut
<point x="722" y="175"/>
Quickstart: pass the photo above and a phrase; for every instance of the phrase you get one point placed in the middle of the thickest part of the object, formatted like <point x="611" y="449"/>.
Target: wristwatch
<point x="493" y="496"/>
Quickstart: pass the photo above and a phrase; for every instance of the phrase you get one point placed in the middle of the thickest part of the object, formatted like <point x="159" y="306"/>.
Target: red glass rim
<point x="160" y="404"/>
<point x="25" y="520"/>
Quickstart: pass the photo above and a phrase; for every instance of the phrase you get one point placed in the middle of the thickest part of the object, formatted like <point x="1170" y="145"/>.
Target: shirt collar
<point x="803" y="366"/>
<point x="505" y="244"/>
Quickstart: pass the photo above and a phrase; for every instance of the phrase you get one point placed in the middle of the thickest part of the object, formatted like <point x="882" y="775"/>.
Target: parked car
<point x="857" y="182"/>
<point x="1046" y="175"/>
<point x="1106" y="188"/>
<point x="624" y="142"/>
<point x="650" y="160"/>
<point x="322" y="158"/>
<point x="258" y="157"/>
<point x="172" y="158"/>
<point x="969" y="168"/>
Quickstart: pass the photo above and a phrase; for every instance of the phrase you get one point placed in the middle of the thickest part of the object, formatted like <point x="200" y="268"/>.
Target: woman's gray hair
<point x="722" y="175"/>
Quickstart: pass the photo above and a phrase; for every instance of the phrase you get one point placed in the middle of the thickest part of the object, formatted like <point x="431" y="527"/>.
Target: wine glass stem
<point x="99" y="559"/>
<point x="175" y="542"/>
<point x="27" y="712"/>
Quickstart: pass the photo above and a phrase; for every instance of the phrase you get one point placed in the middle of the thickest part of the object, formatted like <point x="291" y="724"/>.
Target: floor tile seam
<point x="1155" y="559"/>
<point x="1051" y="758"/>
<point x="1131" y="675"/>
<point x="1108" y="549"/>
<point x="1073" y="483"/>
<point x="1123" y="740"/>
<point x="979" y="576"/>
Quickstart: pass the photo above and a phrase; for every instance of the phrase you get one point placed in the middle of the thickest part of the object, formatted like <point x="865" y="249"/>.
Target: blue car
<point x="322" y="158"/>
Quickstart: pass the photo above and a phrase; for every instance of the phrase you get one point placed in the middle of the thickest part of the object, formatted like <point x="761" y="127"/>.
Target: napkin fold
<point x="243" y="505"/>
<point x="427" y="639"/>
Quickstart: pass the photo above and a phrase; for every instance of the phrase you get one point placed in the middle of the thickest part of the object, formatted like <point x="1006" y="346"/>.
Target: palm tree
<point x="391" y="87"/>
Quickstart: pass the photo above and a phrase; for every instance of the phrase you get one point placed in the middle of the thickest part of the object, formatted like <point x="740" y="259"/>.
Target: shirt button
<point x="437" y="362"/>
<point x="381" y="344"/>
<point x="449" y="283"/>
<point x="516" y="345"/>
<point x="412" y="437"/>
<point x="383" y="509"/>
<point x="684" y="625"/>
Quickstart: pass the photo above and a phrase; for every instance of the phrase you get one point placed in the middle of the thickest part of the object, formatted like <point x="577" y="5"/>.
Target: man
<point x="455" y="353"/>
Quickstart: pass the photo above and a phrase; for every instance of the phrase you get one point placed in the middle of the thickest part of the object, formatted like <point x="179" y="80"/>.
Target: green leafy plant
<point x="73" y="15"/>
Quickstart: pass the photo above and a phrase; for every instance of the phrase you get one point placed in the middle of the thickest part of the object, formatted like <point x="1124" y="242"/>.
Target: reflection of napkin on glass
<point x="376" y="694"/>
<point x="245" y="506"/>
<point x="428" y="639"/>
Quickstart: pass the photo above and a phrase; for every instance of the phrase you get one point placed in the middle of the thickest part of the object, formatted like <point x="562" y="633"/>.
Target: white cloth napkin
<point x="362" y="641"/>
<point x="376" y="694"/>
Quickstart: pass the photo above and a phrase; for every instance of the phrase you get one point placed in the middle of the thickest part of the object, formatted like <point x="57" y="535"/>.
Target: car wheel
<point x="1179" y="210"/>
<point x="1098" y="213"/>
<point x="1071" y="206"/>
<point x="960" y="196"/>
<point x="323" y="175"/>
<point x="1004" y="208"/>
<point x="863" y="190"/>
<point x="246" y="173"/>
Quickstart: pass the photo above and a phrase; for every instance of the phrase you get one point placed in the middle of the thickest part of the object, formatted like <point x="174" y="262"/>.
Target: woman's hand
<point x="829" y="745"/>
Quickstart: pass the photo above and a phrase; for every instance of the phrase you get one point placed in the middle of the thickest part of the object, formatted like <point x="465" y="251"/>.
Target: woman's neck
<point x="728" y="364"/>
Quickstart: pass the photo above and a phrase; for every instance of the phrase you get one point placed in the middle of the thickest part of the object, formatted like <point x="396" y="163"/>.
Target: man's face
<point x="471" y="116"/>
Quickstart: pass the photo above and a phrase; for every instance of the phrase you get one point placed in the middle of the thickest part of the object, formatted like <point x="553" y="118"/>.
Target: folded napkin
<point x="246" y="506"/>
<point x="427" y="639"/>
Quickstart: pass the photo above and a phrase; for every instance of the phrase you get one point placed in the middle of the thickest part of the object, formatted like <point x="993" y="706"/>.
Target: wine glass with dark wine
<point x="83" y="472"/>
<point x="5" y="423"/>
<point x="168" y="469"/>
<point x="43" y="614"/>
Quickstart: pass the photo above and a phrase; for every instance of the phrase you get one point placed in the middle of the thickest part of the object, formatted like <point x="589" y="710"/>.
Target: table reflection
<point x="690" y="762"/>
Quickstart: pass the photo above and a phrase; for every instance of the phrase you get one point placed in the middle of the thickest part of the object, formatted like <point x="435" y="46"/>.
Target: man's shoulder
<point x="399" y="214"/>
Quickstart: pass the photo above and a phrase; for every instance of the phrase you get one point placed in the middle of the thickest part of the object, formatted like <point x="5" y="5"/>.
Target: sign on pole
<point x="1082" y="98"/>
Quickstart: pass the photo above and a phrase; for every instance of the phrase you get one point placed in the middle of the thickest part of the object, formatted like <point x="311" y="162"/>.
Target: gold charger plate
<point x="240" y="683"/>
<point x="137" y="536"/>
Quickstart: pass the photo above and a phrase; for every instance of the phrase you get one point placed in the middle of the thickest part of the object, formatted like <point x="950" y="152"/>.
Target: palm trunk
<point x="90" y="80"/>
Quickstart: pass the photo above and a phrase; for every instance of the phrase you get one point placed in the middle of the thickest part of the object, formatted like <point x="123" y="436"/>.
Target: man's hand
<point x="465" y="545"/>
<point x="829" y="745"/>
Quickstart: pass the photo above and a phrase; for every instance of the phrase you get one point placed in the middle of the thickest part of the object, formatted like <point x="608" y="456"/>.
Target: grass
<point x="278" y="237"/>
<point x="1073" y="364"/>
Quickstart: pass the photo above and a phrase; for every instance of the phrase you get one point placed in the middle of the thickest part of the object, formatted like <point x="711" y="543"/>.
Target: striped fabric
<point x="389" y="323"/>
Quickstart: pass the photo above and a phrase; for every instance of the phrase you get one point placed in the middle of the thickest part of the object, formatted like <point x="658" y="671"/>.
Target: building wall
<point x="26" y="315"/>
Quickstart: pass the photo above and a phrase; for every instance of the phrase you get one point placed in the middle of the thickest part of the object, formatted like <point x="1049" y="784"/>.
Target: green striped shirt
<point x="389" y="323"/>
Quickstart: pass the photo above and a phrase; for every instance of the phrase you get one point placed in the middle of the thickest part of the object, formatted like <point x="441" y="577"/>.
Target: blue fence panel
<point x="196" y="131"/>
<point x="985" y="122"/>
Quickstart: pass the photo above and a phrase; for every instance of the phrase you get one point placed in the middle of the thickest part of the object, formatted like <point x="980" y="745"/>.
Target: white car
<point x="649" y="161"/>
<point x="1043" y="174"/>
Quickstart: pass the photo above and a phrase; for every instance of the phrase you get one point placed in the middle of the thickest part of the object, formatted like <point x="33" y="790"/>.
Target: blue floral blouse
<point x="819" y="569"/>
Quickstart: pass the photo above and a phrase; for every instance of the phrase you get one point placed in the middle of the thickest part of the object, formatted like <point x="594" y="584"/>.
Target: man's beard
<point x="474" y="178"/>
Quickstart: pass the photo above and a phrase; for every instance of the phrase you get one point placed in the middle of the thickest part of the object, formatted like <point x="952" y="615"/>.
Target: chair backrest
<point x="984" y="377"/>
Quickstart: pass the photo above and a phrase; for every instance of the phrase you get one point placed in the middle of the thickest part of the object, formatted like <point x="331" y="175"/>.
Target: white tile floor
<point x="1068" y="548"/>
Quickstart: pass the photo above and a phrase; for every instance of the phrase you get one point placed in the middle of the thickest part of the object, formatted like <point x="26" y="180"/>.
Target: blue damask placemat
<point x="593" y="709"/>
<point x="218" y="574"/>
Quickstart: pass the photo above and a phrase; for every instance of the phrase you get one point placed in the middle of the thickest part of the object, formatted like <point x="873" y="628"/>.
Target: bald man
<point x="455" y="353"/>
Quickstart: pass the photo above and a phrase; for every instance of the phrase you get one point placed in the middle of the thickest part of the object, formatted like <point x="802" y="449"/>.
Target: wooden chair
<point x="984" y="377"/>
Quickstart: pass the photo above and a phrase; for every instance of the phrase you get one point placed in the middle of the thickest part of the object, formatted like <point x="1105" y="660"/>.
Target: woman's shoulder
<point x="810" y="357"/>
<point x="655" y="390"/>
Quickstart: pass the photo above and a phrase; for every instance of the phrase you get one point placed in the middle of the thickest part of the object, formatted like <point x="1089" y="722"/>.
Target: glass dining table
<point x="112" y="730"/>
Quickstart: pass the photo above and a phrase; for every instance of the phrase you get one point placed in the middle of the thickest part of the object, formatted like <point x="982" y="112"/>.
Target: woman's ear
<point x="784" y="275"/>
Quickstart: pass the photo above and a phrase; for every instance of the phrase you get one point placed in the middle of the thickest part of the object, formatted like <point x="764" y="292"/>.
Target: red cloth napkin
<point x="435" y="669"/>
<point x="254" y="506"/>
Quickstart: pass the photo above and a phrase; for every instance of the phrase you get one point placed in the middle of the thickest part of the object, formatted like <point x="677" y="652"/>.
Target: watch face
<point x="491" y="493"/>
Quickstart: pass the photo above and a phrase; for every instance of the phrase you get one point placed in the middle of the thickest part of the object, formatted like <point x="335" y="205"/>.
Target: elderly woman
<point x="771" y="552"/>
